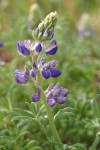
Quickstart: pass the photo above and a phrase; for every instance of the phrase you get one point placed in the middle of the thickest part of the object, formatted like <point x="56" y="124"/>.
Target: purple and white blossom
<point x="27" y="43"/>
<point x="37" y="47"/>
<point x="34" y="70"/>
<point x="22" y="48"/>
<point x="36" y="97"/>
<point x="56" y="94"/>
<point x="52" y="49"/>
<point x="48" y="70"/>
<point x="44" y="32"/>
<point x="22" y="77"/>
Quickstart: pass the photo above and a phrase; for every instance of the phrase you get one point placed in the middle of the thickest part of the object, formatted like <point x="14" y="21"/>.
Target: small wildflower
<point x="27" y="43"/>
<point x="48" y="70"/>
<point x="56" y="94"/>
<point x="36" y="97"/>
<point x="22" y="48"/>
<point x="52" y="48"/>
<point x="38" y="47"/>
<point x="41" y="62"/>
<point x="22" y="77"/>
<point x="1" y="44"/>
<point x="34" y="71"/>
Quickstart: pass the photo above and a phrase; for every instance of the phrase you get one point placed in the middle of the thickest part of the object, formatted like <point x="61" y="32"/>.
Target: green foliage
<point x="23" y="124"/>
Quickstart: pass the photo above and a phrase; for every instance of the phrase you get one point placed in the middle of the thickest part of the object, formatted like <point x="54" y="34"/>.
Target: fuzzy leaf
<point x="21" y="112"/>
<point x="32" y="108"/>
<point x="31" y="144"/>
<point x="96" y="109"/>
<point x="63" y="112"/>
<point x="41" y="111"/>
<point x="78" y="146"/>
<point x="51" y="143"/>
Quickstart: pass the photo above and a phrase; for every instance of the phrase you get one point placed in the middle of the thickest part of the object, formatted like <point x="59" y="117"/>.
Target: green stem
<point x="95" y="143"/>
<point x="48" y="110"/>
<point x="51" y="121"/>
<point x="9" y="104"/>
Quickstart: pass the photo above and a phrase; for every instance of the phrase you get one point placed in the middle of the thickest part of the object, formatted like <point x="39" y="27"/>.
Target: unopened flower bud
<point x="41" y="62"/>
<point x="35" y="33"/>
<point x="41" y="26"/>
<point x="39" y="35"/>
<point x="36" y="97"/>
<point x="34" y="71"/>
<point x="45" y="35"/>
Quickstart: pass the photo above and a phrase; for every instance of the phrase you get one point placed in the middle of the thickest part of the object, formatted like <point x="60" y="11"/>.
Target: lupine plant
<point x="43" y="46"/>
<point x="54" y="94"/>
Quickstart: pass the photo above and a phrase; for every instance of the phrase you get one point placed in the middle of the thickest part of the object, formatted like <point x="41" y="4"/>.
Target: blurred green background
<point x="78" y="36"/>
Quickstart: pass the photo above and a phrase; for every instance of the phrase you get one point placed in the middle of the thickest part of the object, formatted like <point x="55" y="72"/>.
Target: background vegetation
<point x="79" y="60"/>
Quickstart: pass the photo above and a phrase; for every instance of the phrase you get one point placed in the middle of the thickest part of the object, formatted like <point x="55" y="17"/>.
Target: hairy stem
<point x="51" y="120"/>
<point x="48" y="110"/>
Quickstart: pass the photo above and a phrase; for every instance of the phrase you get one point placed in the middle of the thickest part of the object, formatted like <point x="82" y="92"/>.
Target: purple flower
<point x="41" y="62"/>
<point x="22" y="77"/>
<point x="37" y="47"/>
<point x="51" y="102"/>
<point x="1" y="44"/>
<point x="27" y="43"/>
<point x="34" y="71"/>
<point x="22" y="48"/>
<point x="56" y="94"/>
<point x="36" y="97"/>
<point x="48" y="70"/>
<point x="52" y="48"/>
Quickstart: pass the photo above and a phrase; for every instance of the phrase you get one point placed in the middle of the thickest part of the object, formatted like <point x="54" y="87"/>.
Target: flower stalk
<point x="51" y="120"/>
<point x="54" y="94"/>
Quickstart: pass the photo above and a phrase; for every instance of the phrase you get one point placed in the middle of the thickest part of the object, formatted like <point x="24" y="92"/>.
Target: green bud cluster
<point x="45" y="30"/>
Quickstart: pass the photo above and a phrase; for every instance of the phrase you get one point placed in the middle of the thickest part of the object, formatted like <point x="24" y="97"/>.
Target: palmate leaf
<point x="61" y="146"/>
<point x="21" y="112"/>
<point x="41" y="111"/>
<point x="23" y="116"/>
<point x="20" y="135"/>
<point x="94" y="123"/>
<point x="2" y="147"/>
<point x="30" y="144"/>
<point x="96" y="109"/>
<point x="63" y="112"/>
<point x="36" y="148"/>
<point x="32" y="108"/>
<point x="6" y="140"/>
<point x="52" y="143"/>
<point x="78" y="146"/>
<point x="37" y="112"/>
<point x="24" y="122"/>
<point x="3" y="109"/>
